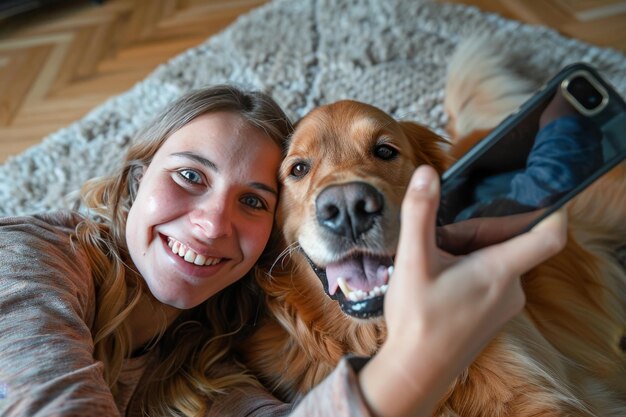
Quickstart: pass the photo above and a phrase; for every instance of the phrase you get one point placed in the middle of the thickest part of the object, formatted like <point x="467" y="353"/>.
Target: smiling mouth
<point x="357" y="282"/>
<point x="189" y="255"/>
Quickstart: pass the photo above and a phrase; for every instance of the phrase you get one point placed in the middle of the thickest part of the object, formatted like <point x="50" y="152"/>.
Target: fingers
<point x="473" y="234"/>
<point x="416" y="245"/>
<point x="557" y="107"/>
<point x="518" y="255"/>
<point x="556" y="222"/>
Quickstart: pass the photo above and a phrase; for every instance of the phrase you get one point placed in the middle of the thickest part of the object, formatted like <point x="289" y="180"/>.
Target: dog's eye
<point x="299" y="170"/>
<point x="385" y="152"/>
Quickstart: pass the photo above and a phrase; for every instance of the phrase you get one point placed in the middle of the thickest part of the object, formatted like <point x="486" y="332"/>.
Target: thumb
<point x="417" y="245"/>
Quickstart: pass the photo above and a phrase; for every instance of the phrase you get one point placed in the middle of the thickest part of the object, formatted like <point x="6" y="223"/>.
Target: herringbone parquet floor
<point x="58" y="63"/>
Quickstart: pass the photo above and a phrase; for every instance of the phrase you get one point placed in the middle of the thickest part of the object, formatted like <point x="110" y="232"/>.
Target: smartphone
<point x="520" y="173"/>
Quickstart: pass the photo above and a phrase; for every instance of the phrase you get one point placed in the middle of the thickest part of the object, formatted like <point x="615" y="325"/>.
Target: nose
<point x="213" y="219"/>
<point x="348" y="209"/>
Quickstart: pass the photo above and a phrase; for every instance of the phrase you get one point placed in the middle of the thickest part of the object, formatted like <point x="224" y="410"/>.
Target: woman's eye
<point x="299" y="170"/>
<point x="254" y="202"/>
<point x="385" y="152"/>
<point x="190" y="176"/>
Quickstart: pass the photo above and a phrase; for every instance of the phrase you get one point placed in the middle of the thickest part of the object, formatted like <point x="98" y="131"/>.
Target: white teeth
<point x="200" y="260"/>
<point x="358" y="295"/>
<point x="189" y="255"/>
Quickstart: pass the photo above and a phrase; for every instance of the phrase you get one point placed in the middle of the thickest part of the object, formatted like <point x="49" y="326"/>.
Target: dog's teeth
<point x="345" y="288"/>
<point x="389" y="270"/>
<point x="359" y="295"/>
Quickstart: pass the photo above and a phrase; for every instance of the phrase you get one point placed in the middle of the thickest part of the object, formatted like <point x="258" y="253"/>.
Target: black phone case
<point x="611" y="121"/>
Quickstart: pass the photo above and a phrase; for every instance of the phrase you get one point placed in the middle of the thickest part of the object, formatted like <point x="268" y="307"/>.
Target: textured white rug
<point x="391" y="53"/>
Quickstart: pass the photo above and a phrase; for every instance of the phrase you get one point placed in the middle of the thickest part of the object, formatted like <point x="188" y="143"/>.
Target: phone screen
<point x="527" y="168"/>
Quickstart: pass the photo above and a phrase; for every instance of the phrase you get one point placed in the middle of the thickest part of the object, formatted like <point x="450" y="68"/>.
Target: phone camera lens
<point x="585" y="93"/>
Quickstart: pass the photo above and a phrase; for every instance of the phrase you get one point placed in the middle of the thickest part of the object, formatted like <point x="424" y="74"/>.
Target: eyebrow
<point x="211" y="165"/>
<point x="264" y="187"/>
<point x="197" y="158"/>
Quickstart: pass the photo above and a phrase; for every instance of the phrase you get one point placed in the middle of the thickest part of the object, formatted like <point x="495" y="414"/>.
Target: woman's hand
<point x="469" y="235"/>
<point x="442" y="310"/>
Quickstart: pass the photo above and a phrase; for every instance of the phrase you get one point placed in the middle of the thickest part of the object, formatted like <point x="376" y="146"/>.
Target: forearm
<point x="398" y="383"/>
<point x="46" y="362"/>
<point x="339" y="395"/>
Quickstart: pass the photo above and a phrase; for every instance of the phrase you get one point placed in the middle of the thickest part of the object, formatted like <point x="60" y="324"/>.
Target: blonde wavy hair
<point x="191" y="351"/>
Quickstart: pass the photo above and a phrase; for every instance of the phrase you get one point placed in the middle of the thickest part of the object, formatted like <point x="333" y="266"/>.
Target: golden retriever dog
<point x="343" y="180"/>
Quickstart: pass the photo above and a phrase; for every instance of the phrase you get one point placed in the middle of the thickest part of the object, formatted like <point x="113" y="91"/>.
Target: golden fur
<point x="560" y="357"/>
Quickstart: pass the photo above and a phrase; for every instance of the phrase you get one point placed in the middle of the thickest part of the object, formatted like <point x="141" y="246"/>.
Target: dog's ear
<point x="460" y="146"/>
<point x="428" y="147"/>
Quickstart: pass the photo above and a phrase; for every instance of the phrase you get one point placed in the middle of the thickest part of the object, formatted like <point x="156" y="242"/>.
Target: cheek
<point x="159" y="203"/>
<point x="254" y="239"/>
<point x="290" y="217"/>
<point x="395" y="187"/>
<point x="155" y="207"/>
<point x="296" y="209"/>
<point x="152" y="206"/>
<point x="134" y="226"/>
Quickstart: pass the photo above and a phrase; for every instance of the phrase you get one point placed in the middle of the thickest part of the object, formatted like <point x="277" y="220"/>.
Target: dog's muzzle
<point x="347" y="213"/>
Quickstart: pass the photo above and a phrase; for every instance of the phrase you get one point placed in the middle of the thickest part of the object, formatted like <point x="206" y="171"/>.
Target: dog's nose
<point x="348" y="209"/>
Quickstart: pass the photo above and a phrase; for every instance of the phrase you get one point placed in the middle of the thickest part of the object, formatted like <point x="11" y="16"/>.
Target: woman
<point x="135" y="312"/>
<point x="87" y="306"/>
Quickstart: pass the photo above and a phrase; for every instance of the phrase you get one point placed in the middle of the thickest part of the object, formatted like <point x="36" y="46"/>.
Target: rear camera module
<point x="585" y="93"/>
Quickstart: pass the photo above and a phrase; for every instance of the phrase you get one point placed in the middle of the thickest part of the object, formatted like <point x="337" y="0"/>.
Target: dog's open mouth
<point x="358" y="282"/>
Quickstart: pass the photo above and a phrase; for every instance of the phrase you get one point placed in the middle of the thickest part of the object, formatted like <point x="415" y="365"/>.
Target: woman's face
<point x="204" y="208"/>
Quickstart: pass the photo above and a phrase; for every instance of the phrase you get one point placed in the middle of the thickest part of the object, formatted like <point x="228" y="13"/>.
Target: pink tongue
<point x="361" y="272"/>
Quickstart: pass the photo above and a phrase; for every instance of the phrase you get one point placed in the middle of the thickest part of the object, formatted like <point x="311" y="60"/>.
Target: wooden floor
<point x="58" y="63"/>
